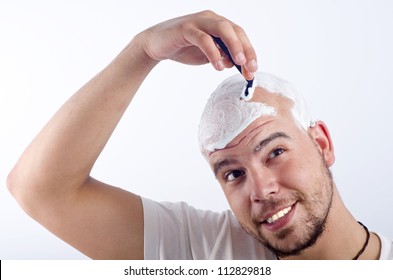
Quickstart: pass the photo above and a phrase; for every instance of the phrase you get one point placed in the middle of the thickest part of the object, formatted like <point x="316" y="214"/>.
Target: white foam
<point x="226" y="115"/>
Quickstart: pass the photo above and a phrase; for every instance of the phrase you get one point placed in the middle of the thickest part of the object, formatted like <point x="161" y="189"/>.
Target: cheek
<point x="303" y="166"/>
<point x="306" y="172"/>
<point x="240" y="203"/>
<point x="295" y="173"/>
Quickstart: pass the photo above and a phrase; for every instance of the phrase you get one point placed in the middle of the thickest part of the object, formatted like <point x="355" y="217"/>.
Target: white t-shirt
<point x="386" y="248"/>
<point x="177" y="231"/>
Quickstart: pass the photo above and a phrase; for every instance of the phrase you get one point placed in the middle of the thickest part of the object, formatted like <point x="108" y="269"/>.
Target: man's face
<point x="275" y="179"/>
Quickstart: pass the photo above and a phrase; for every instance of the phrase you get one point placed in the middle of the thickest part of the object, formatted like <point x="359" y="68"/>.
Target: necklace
<point x="365" y="243"/>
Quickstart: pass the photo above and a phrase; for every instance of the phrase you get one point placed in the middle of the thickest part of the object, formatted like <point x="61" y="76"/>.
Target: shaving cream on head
<point x="226" y="115"/>
<point x="276" y="85"/>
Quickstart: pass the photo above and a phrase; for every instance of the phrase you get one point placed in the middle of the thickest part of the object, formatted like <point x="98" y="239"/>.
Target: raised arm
<point x="51" y="180"/>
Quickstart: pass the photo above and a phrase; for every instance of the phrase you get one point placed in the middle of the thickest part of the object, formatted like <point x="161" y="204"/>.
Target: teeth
<point x="278" y="215"/>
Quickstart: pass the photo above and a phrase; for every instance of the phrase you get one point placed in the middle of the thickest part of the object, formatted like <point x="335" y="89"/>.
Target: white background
<point x="337" y="53"/>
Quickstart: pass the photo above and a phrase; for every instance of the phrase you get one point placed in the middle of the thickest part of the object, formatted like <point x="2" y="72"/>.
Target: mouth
<point x="278" y="215"/>
<point x="279" y="219"/>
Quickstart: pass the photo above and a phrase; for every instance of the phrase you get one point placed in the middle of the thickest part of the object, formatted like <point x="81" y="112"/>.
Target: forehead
<point x="259" y="136"/>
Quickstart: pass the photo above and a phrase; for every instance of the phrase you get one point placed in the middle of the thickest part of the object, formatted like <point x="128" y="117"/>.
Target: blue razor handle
<point x="224" y="48"/>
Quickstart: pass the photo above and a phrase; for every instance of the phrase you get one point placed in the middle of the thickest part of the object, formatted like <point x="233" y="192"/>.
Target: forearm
<point x="65" y="150"/>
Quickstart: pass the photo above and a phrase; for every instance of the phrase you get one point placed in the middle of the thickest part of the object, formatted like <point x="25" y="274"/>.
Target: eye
<point x="276" y="152"/>
<point x="233" y="175"/>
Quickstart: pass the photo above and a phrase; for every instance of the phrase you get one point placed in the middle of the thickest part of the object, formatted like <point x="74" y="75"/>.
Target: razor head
<point x="248" y="91"/>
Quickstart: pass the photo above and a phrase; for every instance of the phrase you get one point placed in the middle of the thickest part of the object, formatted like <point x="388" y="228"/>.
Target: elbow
<point x="33" y="190"/>
<point x="11" y="182"/>
<point x="19" y="189"/>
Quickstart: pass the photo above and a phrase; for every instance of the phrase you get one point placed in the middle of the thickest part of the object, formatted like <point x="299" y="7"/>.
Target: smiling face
<point x="276" y="179"/>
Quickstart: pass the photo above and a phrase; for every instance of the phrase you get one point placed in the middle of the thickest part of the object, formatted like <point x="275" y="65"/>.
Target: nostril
<point x="263" y="192"/>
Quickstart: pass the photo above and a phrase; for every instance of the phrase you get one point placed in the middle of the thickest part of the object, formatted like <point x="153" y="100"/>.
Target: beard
<point x="293" y="240"/>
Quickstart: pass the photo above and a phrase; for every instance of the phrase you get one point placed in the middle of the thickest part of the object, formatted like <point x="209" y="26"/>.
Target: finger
<point x="205" y="43"/>
<point x="208" y="23"/>
<point x="226" y="60"/>
<point x="251" y="64"/>
<point x="247" y="74"/>
<point x="235" y="39"/>
<point x="225" y="31"/>
<point x="229" y="61"/>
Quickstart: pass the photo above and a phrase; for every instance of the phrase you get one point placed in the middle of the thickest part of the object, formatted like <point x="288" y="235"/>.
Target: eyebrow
<point x="269" y="139"/>
<point x="222" y="163"/>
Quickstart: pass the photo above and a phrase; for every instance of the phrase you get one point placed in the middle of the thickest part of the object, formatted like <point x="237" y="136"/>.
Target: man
<point x="273" y="171"/>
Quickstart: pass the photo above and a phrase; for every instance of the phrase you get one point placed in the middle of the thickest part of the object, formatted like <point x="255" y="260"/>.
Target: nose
<point x="262" y="184"/>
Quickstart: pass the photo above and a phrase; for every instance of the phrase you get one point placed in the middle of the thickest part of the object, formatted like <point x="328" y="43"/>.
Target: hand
<point x="188" y="40"/>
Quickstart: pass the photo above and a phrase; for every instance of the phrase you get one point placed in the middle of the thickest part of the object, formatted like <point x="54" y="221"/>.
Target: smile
<point x="278" y="215"/>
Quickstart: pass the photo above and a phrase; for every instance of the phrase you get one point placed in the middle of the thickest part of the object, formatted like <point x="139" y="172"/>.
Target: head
<point x="271" y="162"/>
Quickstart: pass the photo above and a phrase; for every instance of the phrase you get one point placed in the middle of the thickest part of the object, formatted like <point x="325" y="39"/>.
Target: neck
<point x="342" y="238"/>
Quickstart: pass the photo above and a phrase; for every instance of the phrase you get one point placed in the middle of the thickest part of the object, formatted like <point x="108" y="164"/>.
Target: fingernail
<point x="219" y="65"/>
<point x="240" y="58"/>
<point x="247" y="74"/>
<point x="252" y="65"/>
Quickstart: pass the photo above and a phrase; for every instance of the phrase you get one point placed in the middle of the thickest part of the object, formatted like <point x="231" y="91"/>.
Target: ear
<point x="321" y="137"/>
